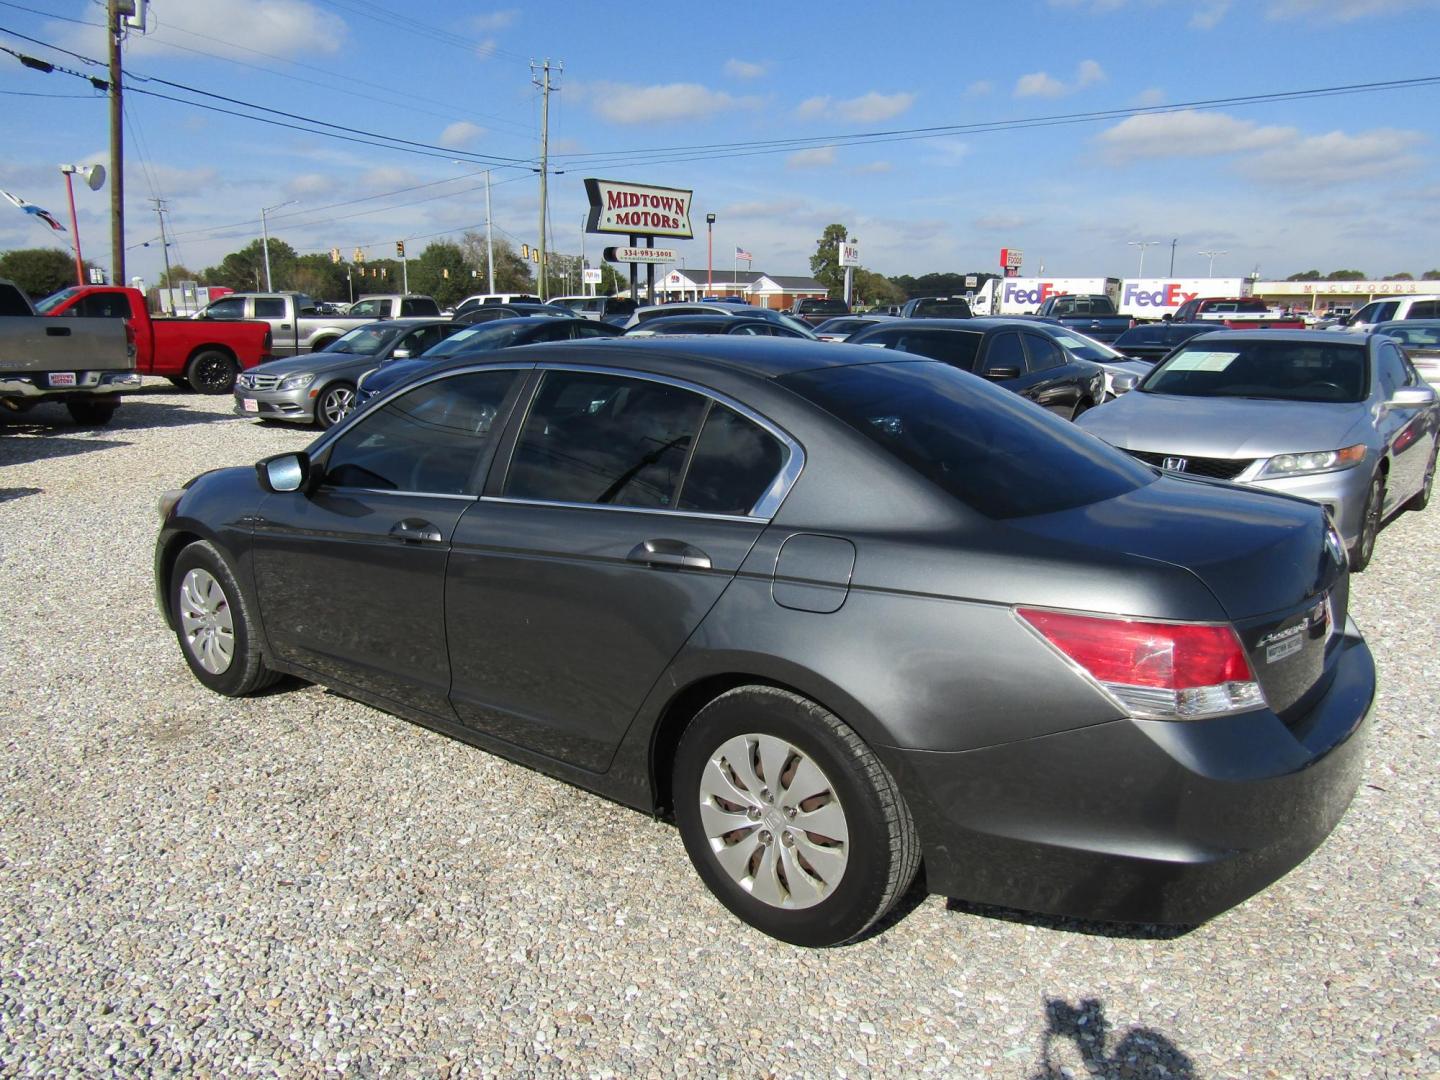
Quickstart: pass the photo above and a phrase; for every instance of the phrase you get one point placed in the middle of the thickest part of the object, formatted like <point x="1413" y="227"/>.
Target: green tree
<point x="1430" y="275"/>
<point x="871" y="289"/>
<point x="1346" y="275"/>
<point x="1305" y="275"/>
<point x="177" y="274"/>
<point x="316" y="276"/>
<point x="39" y="271"/>
<point x="512" y="273"/>
<point x="825" y="263"/>
<point x="244" y="270"/>
<point x="442" y="271"/>
<point x="1402" y="276"/>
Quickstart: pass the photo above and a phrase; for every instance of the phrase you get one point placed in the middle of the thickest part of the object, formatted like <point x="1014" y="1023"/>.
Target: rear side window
<point x="428" y="440"/>
<point x="1424" y="309"/>
<point x="984" y="445"/>
<point x="956" y="347"/>
<point x="735" y="462"/>
<point x="418" y="306"/>
<point x="103" y="306"/>
<point x="269" y="308"/>
<point x="605" y="439"/>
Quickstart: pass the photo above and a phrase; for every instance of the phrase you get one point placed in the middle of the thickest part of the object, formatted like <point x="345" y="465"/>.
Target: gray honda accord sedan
<point x="1333" y="417"/>
<point x="838" y="612"/>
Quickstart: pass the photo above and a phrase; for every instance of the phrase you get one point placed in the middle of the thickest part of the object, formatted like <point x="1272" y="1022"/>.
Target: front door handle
<point x="674" y="553"/>
<point x="415" y="531"/>
<point x="58" y="331"/>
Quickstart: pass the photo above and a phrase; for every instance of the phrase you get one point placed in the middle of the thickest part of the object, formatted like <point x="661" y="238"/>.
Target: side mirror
<point x="401" y="354"/>
<point x="284" y="472"/>
<point x="1412" y="397"/>
<point x="999" y="374"/>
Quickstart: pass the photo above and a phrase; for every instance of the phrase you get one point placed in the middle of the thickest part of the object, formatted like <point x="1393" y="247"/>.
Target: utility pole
<point x="545" y="87"/>
<point x="115" y="29"/>
<point x="165" y="253"/>
<point x="1172" y="255"/>
<point x="489" y="238"/>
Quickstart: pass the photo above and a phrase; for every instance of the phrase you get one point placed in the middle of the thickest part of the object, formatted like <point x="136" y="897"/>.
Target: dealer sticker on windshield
<point x="62" y="378"/>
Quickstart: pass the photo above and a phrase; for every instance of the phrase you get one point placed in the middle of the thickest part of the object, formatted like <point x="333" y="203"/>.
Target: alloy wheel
<point x="335" y="405"/>
<point x="206" y="621"/>
<point x="774" y="821"/>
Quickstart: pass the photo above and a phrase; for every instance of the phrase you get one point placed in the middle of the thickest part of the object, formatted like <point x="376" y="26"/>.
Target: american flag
<point x="30" y="208"/>
<point x="741" y="253"/>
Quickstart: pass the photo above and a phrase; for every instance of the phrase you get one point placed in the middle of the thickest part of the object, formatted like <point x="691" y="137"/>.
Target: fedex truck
<point x="1151" y="299"/>
<point x="1021" y="296"/>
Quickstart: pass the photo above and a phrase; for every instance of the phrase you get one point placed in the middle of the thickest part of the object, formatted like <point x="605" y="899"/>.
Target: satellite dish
<point x="94" y="176"/>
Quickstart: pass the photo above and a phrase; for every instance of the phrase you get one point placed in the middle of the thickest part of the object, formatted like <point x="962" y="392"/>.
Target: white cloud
<point x="485" y="50"/>
<point x="744" y="69"/>
<point x="1189" y="134"/>
<point x="387" y="178"/>
<point x="873" y="168"/>
<point x="866" y="109"/>
<point x="818" y="157"/>
<point x="309" y="184"/>
<point x="279" y="27"/>
<point x="621" y="103"/>
<point x="1001" y="222"/>
<point x="979" y="88"/>
<point x="1335" y="157"/>
<point x="1043" y="84"/>
<point x="1151" y="96"/>
<point x="946" y="152"/>
<point x="1349" y="11"/>
<point x="496" y="20"/>
<point x="461" y="134"/>
<point x="1209" y="15"/>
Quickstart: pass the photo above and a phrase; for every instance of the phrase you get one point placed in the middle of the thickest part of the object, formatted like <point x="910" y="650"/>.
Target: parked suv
<point x="604" y="308"/>
<point x="815" y="310"/>
<point x="1393" y="309"/>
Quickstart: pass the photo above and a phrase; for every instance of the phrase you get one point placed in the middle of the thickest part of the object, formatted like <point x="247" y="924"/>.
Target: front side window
<point x="369" y="309"/>
<point x="428" y="440"/>
<point x="1392" y="371"/>
<point x="226" y="309"/>
<point x="605" y="439"/>
<point x="1044" y="353"/>
<point x="1005" y="352"/>
<point x="104" y="306"/>
<point x="1380" y="311"/>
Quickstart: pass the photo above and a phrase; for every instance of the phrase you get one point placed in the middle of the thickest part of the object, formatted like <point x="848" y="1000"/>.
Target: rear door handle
<point x="415" y="531"/>
<point x="57" y="331"/>
<point x="674" y="553"/>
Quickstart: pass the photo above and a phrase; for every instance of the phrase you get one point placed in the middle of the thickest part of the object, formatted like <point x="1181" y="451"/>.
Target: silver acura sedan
<point x="1342" y="421"/>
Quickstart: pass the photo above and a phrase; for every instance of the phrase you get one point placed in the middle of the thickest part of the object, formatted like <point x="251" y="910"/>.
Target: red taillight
<point x="1159" y="669"/>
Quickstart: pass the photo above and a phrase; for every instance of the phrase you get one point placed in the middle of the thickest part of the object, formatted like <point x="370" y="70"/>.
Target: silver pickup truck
<point x="296" y="329"/>
<point x="84" y="363"/>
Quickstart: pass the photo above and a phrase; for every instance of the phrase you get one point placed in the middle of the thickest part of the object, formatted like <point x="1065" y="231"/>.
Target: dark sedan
<point x="713" y="324"/>
<point x="839" y="611"/>
<point x="1155" y="341"/>
<point x="490" y="312"/>
<point x="1018" y="354"/>
<point x="483" y="337"/>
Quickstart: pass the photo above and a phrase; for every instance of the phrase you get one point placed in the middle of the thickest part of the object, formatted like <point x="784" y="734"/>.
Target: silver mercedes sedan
<point x="1342" y="421"/>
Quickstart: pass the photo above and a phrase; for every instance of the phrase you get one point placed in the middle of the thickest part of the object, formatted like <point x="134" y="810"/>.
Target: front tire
<point x="790" y="819"/>
<point x="211" y="372"/>
<point x="334" y="404"/>
<point x="1364" y="547"/>
<point x="1421" y="498"/>
<point x="217" y="632"/>
<point x="91" y="413"/>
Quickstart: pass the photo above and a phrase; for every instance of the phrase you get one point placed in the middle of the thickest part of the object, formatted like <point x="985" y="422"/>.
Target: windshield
<point x="479" y="338"/>
<point x="986" y="446"/>
<point x="363" y="340"/>
<point x="54" y="300"/>
<point x="1277" y="370"/>
<point x="1089" y="349"/>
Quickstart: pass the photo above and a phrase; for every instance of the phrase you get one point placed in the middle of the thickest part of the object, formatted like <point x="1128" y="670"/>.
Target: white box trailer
<point x="1022" y="296"/>
<point x="1151" y="299"/>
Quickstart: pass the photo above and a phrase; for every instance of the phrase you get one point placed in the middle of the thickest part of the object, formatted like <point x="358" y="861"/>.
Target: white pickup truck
<point x="295" y="328"/>
<point x="84" y="363"/>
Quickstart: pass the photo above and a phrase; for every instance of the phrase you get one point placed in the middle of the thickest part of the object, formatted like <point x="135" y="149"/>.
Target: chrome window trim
<point x="765" y="507"/>
<point x="749" y="519"/>
<point x="411" y="494"/>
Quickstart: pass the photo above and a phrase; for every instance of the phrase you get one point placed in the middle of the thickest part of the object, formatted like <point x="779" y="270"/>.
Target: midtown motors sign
<point x="638" y="210"/>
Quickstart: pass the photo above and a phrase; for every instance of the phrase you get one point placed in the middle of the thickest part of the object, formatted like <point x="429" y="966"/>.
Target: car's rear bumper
<point x="36" y="387"/>
<point x="1138" y="820"/>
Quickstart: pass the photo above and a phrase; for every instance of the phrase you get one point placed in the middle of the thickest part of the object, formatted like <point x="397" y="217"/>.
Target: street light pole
<point x="1172" y="255"/>
<point x="1142" y="245"/>
<point x="1211" y="254"/>
<point x="265" y="236"/>
<point x="69" y="171"/>
<point x="710" y="254"/>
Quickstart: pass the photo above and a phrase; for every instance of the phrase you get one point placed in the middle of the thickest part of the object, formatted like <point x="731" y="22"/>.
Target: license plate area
<point x="250" y="404"/>
<point x="62" y="378"/>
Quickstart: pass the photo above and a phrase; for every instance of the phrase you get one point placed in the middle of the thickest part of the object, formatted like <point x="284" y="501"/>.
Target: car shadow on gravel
<point x="1134" y="931"/>
<point x="44" y="446"/>
<point x="10" y="494"/>
<point x="1083" y="1032"/>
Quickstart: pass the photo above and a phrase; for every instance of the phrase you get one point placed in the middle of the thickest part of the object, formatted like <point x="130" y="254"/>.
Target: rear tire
<point x="88" y="412"/>
<point x="814" y="854"/>
<point x="211" y="372"/>
<point x="1364" y="548"/>
<point x="217" y="632"/>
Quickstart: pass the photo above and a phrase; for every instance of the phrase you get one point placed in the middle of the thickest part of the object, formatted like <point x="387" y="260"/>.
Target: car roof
<point x="1302" y="337"/>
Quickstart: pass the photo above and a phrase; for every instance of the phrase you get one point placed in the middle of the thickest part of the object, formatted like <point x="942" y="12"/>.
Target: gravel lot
<point x="298" y="884"/>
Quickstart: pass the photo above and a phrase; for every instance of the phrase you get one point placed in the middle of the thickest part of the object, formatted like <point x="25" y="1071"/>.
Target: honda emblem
<point x="1176" y="464"/>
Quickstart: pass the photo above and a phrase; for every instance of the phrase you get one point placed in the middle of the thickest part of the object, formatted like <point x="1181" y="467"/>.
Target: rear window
<point x="941" y="309"/>
<point x="986" y="446"/>
<point x="823" y="307"/>
<point x="1276" y="370"/>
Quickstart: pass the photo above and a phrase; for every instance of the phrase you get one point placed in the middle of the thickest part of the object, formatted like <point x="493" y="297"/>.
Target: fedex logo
<point x="1018" y="294"/>
<point x="1168" y="296"/>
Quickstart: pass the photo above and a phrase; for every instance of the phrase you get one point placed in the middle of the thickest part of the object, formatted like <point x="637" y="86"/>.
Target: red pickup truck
<point x="206" y="355"/>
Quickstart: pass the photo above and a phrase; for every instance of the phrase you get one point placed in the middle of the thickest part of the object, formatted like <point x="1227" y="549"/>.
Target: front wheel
<point x="334" y="404"/>
<point x="211" y="372"/>
<point x="214" y="624"/>
<point x="91" y="413"/>
<point x="1421" y="498"/>
<point x="1369" y="525"/>
<point x="790" y="819"/>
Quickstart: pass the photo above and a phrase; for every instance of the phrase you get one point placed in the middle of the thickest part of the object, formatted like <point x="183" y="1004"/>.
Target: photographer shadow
<point x="1084" y="1031"/>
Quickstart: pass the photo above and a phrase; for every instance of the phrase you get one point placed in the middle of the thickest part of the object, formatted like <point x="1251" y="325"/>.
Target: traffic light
<point x="535" y="254"/>
<point x="335" y="255"/>
<point x="359" y="255"/>
<point x="399" y="249"/>
<point x="524" y="251"/>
